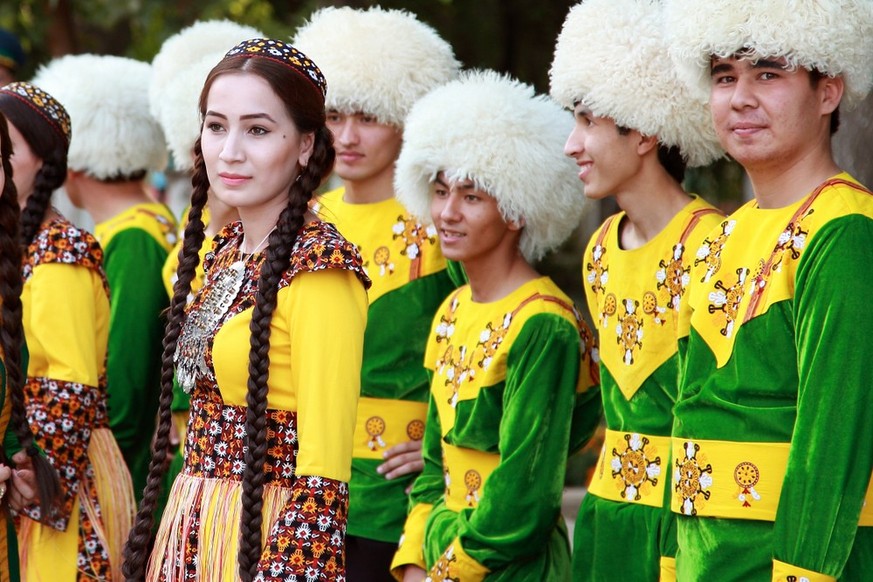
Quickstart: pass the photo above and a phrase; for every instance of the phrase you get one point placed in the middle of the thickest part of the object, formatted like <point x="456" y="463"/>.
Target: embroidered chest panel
<point x="470" y="342"/>
<point x="637" y="297"/>
<point x="395" y="247"/>
<point x="749" y="263"/>
<point x="231" y="284"/>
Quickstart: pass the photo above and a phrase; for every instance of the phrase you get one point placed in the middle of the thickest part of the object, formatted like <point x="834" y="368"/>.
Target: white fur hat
<point x="494" y="130"/>
<point x="178" y="72"/>
<point x="833" y="36"/>
<point x="107" y="99"/>
<point x="376" y="61"/>
<point x="612" y="55"/>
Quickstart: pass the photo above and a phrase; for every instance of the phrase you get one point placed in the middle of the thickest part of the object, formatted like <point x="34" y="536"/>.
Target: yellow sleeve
<point x="410" y="550"/>
<point x="328" y="313"/>
<point x="65" y="306"/>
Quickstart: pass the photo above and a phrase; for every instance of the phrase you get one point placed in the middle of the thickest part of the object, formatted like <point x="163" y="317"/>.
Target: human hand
<point x="19" y="484"/>
<point x="402" y="459"/>
<point x="414" y="574"/>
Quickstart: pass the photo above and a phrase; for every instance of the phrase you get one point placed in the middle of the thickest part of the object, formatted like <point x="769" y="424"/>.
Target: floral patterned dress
<point x="314" y="379"/>
<point x="66" y="320"/>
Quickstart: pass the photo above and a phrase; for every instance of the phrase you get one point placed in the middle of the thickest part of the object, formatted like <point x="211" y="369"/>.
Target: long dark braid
<point x="136" y="549"/>
<point x="12" y="334"/>
<point x="276" y="263"/>
<point x="48" y="179"/>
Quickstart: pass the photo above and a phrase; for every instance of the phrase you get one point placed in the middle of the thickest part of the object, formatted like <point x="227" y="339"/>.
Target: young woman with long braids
<point x="269" y="443"/>
<point x="65" y="392"/>
<point x="26" y="476"/>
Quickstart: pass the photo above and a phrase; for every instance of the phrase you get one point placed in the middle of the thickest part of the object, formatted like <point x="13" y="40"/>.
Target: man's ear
<point x="831" y="90"/>
<point x="646" y="144"/>
<point x="516" y="224"/>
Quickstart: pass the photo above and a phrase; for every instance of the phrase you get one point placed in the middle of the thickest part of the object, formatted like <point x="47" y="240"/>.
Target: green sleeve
<point x="133" y="268"/>
<point x="831" y="456"/>
<point x="541" y="377"/>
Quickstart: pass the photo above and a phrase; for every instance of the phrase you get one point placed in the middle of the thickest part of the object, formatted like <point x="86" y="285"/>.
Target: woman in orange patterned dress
<point x="65" y="391"/>
<point x="25" y="476"/>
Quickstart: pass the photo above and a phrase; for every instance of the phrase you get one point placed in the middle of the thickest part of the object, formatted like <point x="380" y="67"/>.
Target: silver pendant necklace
<point x="203" y="320"/>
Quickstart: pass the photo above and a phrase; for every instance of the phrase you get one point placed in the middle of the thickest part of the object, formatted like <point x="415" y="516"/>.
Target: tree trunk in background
<point x="61" y="30"/>
<point x="853" y="143"/>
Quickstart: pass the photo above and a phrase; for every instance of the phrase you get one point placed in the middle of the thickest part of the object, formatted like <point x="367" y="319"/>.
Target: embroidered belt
<point x="632" y="468"/>
<point x="466" y="471"/>
<point x="735" y="480"/>
<point x="215" y="443"/>
<point x="383" y="423"/>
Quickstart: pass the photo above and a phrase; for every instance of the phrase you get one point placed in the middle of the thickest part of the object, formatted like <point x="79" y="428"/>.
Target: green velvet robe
<point x="510" y="378"/>
<point x="135" y="246"/>
<point x="639" y="383"/>
<point x="778" y="352"/>
<point x="408" y="287"/>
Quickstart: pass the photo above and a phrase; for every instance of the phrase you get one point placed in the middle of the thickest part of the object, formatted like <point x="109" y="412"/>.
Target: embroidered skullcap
<point x="179" y="71"/>
<point x="11" y="53"/>
<point x="495" y="131"/>
<point x="834" y="37"/>
<point x="628" y="76"/>
<point x="43" y="104"/>
<point x="284" y="53"/>
<point x="378" y="61"/>
<point x="114" y="135"/>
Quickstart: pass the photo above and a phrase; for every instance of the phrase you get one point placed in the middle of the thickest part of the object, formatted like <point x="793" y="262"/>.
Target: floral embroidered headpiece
<point x="283" y="53"/>
<point x="44" y="104"/>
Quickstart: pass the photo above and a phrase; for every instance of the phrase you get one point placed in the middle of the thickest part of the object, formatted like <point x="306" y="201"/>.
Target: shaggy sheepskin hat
<point x="495" y="131"/>
<point x="107" y="99"/>
<point x="834" y="37"/>
<point x="626" y="74"/>
<point x="178" y="72"/>
<point x="376" y="61"/>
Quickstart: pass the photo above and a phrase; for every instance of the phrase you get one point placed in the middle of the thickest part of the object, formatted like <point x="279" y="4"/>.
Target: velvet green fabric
<point x="133" y="260"/>
<point x="398" y="324"/>
<point x="613" y="539"/>
<point x="516" y="530"/>
<point x="800" y="373"/>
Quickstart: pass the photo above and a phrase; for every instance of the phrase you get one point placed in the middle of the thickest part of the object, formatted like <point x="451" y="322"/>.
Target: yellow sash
<point x="466" y="471"/>
<point x="383" y="423"/>
<point x="632" y="468"/>
<point x="735" y="480"/>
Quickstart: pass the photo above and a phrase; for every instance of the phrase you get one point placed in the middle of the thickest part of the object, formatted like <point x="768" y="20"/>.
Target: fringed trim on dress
<point x="106" y="508"/>
<point x="114" y="516"/>
<point x="201" y="525"/>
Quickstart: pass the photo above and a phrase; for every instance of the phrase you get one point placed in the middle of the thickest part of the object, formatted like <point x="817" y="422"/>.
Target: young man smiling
<point x="636" y="128"/>
<point x="379" y="62"/>
<point x="772" y="438"/>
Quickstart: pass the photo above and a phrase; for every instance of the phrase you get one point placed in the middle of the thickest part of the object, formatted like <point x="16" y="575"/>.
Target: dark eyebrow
<point x="721" y="68"/>
<point x="441" y="182"/>
<point x="769" y="64"/>
<point x="249" y="116"/>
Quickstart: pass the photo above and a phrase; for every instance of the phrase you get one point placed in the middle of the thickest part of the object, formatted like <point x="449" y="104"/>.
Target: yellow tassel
<point x="220" y="506"/>
<point x="114" y="494"/>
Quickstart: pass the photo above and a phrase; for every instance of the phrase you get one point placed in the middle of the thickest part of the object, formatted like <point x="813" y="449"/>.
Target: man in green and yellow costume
<point x="637" y="127"/>
<point x="772" y="438"/>
<point x="513" y="379"/>
<point x="378" y="63"/>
